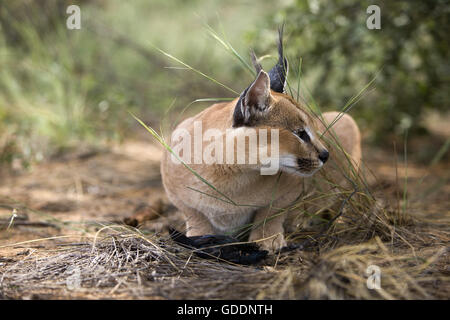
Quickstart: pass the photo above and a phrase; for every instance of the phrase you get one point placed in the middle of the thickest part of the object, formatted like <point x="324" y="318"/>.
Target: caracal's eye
<point x="302" y="134"/>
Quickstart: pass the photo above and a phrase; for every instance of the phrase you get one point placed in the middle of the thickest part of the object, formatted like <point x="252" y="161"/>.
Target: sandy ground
<point x="64" y="195"/>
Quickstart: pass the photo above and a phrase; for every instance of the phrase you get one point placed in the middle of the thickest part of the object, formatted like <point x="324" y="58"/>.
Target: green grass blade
<point x="195" y="70"/>
<point x="229" y="48"/>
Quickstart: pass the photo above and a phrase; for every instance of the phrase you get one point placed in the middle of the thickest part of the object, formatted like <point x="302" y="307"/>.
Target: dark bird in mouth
<point x="220" y="247"/>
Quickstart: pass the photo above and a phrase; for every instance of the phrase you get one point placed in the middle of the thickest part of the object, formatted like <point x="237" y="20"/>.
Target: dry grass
<point x="130" y="265"/>
<point x="121" y="262"/>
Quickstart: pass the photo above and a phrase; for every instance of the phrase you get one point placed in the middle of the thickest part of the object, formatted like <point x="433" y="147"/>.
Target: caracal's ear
<point x="278" y="74"/>
<point x="253" y="102"/>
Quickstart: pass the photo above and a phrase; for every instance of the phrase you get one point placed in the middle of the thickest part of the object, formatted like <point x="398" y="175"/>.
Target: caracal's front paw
<point x="271" y="243"/>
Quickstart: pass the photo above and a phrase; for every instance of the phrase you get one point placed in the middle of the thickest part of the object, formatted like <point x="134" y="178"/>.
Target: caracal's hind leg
<point x="347" y="132"/>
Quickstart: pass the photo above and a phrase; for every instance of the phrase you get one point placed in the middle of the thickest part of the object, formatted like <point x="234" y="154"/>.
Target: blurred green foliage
<point x="341" y="55"/>
<point x="60" y="87"/>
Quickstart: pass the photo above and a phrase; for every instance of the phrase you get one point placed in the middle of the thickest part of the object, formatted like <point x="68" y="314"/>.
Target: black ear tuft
<point x="253" y="102"/>
<point x="278" y="74"/>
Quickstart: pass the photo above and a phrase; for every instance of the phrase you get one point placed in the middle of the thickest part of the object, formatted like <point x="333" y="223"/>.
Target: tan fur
<point x="258" y="196"/>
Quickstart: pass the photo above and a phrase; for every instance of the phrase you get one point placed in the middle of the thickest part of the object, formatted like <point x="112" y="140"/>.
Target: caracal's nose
<point x="323" y="156"/>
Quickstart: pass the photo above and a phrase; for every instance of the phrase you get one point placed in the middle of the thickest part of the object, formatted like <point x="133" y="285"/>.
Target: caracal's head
<point x="265" y="105"/>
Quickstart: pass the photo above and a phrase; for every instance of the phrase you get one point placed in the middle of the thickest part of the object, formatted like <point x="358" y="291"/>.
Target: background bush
<point x="61" y="88"/>
<point x="340" y="55"/>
